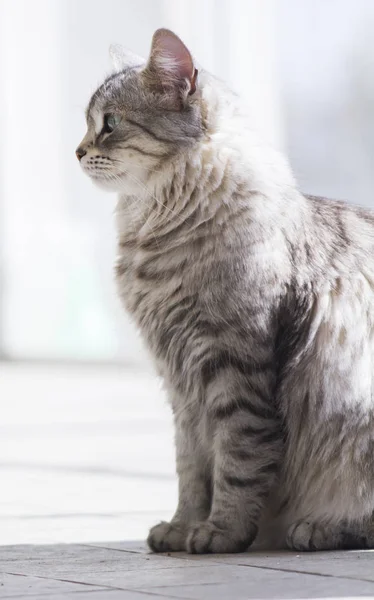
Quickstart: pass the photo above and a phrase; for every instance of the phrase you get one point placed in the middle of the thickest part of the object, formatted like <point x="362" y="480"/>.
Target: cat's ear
<point x="170" y="67"/>
<point x="122" y="58"/>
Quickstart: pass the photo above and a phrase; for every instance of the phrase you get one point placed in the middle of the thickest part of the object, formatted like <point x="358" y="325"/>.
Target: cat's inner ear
<point x="170" y="66"/>
<point x="123" y="58"/>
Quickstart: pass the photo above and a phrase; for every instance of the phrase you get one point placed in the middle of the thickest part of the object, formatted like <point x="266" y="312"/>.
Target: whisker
<point x="136" y="180"/>
<point x="179" y="219"/>
<point x="116" y="178"/>
<point x="149" y="169"/>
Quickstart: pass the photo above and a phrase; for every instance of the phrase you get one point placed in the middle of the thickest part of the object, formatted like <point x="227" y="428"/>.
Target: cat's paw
<point x="306" y="536"/>
<point x="206" y="537"/>
<point x="167" y="537"/>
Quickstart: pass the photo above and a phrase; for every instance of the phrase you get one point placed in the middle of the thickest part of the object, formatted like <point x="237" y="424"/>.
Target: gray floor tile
<point x="160" y="578"/>
<point x="109" y="595"/>
<point x="355" y="564"/>
<point x="71" y="560"/>
<point x="137" y="547"/>
<point x="21" y="586"/>
<point x="273" y="586"/>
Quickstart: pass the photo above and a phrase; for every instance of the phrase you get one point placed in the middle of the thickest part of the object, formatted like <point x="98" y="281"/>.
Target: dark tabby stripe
<point x="224" y="360"/>
<point x="241" y="482"/>
<point x="153" y="244"/>
<point x="121" y="269"/>
<point x="177" y="312"/>
<point x="249" y="430"/>
<point x="241" y="404"/>
<point x="125" y="244"/>
<point x="271" y="467"/>
<point x="271" y="437"/>
<point x="144" y="152"/>
<point x="177" y="329"/>
<point x="148" y="272"/>
<point x="283" y="506"/>
<point x="240" y="454"/>
<point x="148" y="131"/>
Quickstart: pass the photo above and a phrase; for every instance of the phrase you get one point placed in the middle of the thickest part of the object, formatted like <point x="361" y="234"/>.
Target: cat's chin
<point x="121" y="184"/>
<point x="106" y="184"/>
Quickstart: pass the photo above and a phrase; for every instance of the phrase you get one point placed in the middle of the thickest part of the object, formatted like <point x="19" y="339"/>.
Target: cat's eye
<point x="110" y="122"/>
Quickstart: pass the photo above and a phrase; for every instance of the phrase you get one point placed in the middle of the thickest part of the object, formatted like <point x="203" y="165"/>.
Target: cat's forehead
<point x="100" y="98"/>
<point x="118" y="91"/>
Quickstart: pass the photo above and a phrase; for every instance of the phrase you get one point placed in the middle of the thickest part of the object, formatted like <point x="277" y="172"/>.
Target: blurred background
<point x="85" y="437"/>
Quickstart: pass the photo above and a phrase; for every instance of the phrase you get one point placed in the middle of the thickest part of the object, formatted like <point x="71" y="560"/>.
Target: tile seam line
<point x="116" y="570"/>
<point x="119" y="550"/>
<point x="102" y="587"/>
<point x="158" y="554"/>
<point x="99" y="587"/>
<point x="218" y="562"/>
<point x="48" y="594"/>
<point x="40" y="595"/>
<point x="310" y="573"/>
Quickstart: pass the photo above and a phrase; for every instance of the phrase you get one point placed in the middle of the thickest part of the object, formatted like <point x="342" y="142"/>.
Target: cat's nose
<point x="80" y="153"/>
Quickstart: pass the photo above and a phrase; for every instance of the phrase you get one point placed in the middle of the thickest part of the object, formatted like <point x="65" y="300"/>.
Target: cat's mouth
<point x="110" y="174"/>
<point x="102" y="172"/>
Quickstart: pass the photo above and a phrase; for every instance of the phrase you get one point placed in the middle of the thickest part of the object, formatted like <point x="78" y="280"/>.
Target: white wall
<point x="58" y="240"/>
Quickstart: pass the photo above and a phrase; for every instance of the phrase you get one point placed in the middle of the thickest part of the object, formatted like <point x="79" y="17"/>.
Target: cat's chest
<point x="149" y="281"/>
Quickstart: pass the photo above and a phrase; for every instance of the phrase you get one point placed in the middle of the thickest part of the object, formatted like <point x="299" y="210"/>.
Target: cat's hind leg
<point x="304" y="535"/>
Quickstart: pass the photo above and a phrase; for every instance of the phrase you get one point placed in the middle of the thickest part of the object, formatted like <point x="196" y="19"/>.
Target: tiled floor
<point x="126" y="570"/>
<point x="85" y="457"/>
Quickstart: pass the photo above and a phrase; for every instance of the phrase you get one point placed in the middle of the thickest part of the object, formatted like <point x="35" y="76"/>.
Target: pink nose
<point x="80" y="153"/>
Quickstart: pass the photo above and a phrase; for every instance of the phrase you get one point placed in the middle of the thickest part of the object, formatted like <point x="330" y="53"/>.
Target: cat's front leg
<point x="194" y="490"/>
<point x="247" y="446"/>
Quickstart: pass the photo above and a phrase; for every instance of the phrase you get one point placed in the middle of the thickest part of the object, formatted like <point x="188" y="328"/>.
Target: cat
<point x="257" y="305"/>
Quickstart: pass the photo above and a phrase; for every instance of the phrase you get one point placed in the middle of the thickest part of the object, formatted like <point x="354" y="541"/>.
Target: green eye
<point x="110" y="122"/>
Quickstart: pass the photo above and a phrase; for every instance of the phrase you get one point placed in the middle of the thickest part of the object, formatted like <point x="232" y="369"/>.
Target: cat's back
<point x="347" y="226"/>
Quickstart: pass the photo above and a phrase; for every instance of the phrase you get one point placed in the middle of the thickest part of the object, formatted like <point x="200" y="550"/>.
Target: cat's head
<point x="143" y="114"/>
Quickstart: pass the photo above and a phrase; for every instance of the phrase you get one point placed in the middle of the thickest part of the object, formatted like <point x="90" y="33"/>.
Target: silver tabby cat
<point x="257" y="303"/>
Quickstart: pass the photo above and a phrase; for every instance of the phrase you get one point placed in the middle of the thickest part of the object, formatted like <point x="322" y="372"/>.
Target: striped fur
<point x="257" y="304"/>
